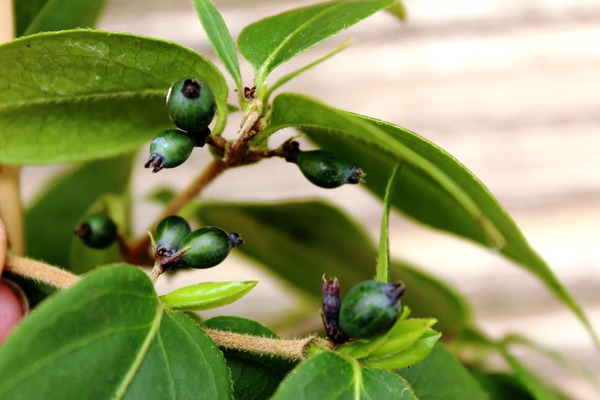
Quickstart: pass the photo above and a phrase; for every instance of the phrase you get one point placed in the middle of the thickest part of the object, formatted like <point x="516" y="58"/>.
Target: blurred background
<point x="509" y="87"/>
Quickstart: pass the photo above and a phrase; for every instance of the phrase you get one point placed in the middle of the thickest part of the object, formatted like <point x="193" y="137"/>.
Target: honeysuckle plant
<point x="97" y="328"/>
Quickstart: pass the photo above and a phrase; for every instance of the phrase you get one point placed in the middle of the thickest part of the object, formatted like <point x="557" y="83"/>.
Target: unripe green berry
<point x="169" y="234"/>
<point x="169" y="149"/>
<point x="322" y="168"/>
<point x="97" y="231"/>
<point x="191" y="104"/>
<point x="370" y="308"/>
<point x="207" y="247"/>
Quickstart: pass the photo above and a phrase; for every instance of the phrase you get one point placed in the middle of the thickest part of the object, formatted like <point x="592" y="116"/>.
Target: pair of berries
<point x="191" y="106"/>
<point x="176" y="245"/>
<point x="369" y="309"/>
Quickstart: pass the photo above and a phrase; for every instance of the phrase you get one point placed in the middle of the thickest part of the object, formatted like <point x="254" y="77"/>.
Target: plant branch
<point x="293" y="349"/>
<point x="39" y="271"/>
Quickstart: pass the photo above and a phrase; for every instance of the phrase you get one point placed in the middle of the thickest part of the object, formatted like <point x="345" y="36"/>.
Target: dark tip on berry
<point x="83" y="230"/>
<point x="355" y="175"/>
<point x="156" y="162"/>
<point x="394" y="290"/>
<point x="191" y="89"/>
<point x="235" y="239"/>
<point x="290" y="150"/>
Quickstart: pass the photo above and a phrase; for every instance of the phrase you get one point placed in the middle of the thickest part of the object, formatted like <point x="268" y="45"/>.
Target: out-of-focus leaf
<point x="51" y="219"/>
<point x="442" y="377"/>
<point x="32" y="16"/>
<point x="274" y="40"/>
<point x="80" y="95"/>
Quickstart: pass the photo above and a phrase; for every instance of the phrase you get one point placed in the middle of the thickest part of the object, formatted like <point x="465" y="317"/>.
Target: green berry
<point x="191" y="104"/>
<point x="168" y="235"/>
<point x="370" y="308"/>
<point x="97" y="231"/>
<point x="169" y="149"/>
<point x="322" y="168"/>
<point x="207" y="247"/>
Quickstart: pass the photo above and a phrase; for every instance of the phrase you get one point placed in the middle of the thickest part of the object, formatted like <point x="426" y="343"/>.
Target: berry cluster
<point x="191" y="106"/>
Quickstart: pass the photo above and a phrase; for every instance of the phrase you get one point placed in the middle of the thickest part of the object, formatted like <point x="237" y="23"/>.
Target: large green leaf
<point x="107" y="337"/>
<point x="32" y="16"/>
<point x="80" y="95"/>
<point x="433" y="187"/>
<point x="254" y="376"/>
<point x="274" y="40"/>
<point x="441" y="377"/>
<point x="300" y="241"/>
<point x="329" y="376"/>
<point x="51" y="219"/>
<point x="219" y="37"/>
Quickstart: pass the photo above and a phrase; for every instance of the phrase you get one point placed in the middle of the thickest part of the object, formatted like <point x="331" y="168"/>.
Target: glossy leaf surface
<point x="219" y="37"/>
<point x="81" y="94"/>
<point x="206" y="295"/>
<point x="274" y="40"/>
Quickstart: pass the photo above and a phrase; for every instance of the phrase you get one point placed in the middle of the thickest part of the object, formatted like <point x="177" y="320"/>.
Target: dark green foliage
<point x="206" y="247"/>
<point x="191" y="104"/>
<point x="370" y="308"/>
<point x="97" y="231"/>
<point x="169" y="149"/>
<point x="168" y="235"/>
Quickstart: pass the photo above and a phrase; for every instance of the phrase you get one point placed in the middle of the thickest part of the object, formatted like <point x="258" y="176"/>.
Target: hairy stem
<point x="39" y="271"/>
<point x="294" y="349"/>
<point x="138" y="251"/>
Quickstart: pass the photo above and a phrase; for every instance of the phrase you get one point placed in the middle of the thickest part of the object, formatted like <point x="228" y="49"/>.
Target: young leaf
<point x="107" y="337"/>
<point x="220" y="38"/>
<point x="50" y="220"/>
<point x="329" y="376"/>
<point x="206" y="295"/>
<point x="442" y="377"/>
<point x="34" y="16"/>
<point x="274" y="40"/>
<point x="82" y="94"/>
<point x="254" y="376"/>
<point x="434" y="187"/>
<point x="383" y="256"/>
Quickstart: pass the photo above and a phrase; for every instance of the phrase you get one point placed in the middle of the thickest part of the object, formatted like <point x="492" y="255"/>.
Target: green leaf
<point x="107" y="337"/>
<point x="300" y="241"/>
<point x="398" y="10"/>
<point x="253" y="376"/>
<point x="81" y="95"/>
<point x="433" y="187"/>
<point x="206" y="295"/>
<point x="328" y="376"/>
<point x="51" y="219"/>
<point x="32" y="16"/>
<point x="274" y="40"/>
<point x="181" y="363"/>
<point x="442" y="377"/>
<point x="220" y="38"/>
<point x="383" y="256"/>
